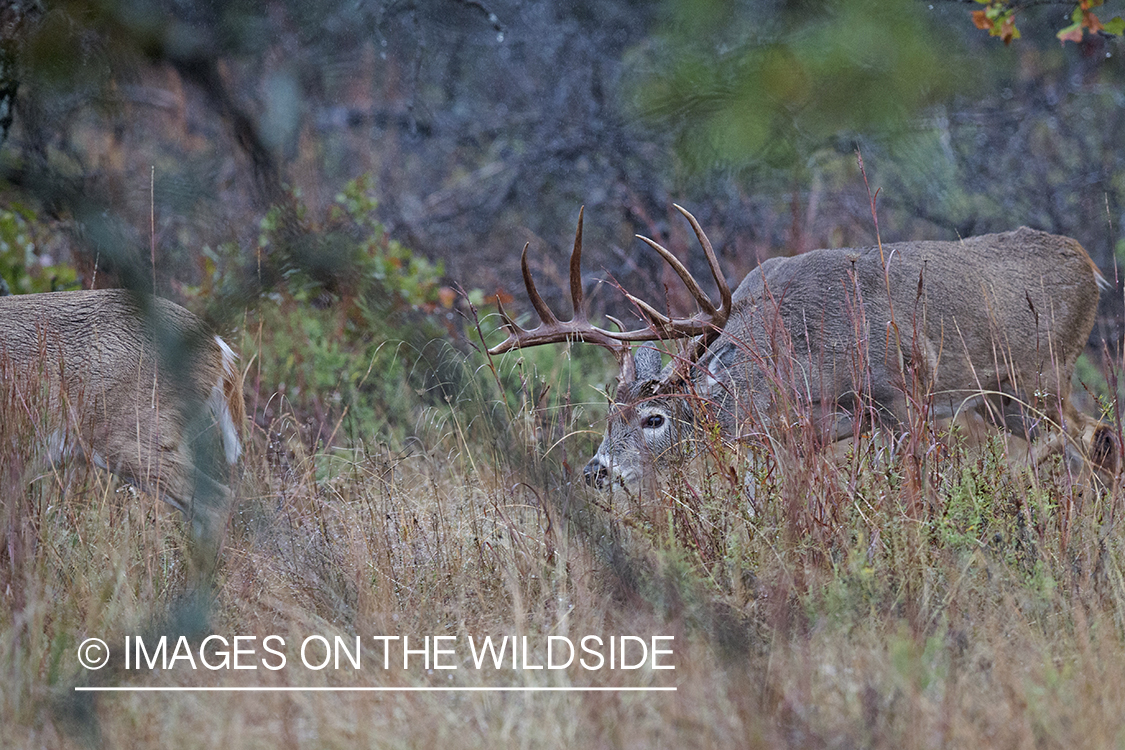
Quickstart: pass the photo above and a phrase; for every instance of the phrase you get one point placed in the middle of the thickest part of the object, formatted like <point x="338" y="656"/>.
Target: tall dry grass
<point x="816" y="597"/>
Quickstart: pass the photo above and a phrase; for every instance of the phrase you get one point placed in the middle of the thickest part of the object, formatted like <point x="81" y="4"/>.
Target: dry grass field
<point x="890" y="594"/>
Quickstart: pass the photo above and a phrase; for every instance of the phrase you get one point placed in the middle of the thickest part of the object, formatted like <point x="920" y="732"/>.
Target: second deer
<point x="129" y="383"/>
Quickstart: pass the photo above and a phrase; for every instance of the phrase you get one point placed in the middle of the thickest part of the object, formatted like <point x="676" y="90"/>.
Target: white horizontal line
<point x="287" y="689"/>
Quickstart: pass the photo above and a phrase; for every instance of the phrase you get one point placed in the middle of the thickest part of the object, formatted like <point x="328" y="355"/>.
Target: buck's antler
<point x="711" y="321"/>
<point x="578" y="328"/>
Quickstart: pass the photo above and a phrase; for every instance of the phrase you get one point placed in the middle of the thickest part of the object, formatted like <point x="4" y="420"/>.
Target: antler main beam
<point x="578" y="328"/>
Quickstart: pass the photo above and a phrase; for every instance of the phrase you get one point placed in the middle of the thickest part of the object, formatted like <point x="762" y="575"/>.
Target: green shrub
<point x="366" y="342"/>
<point x="23" y="265"/>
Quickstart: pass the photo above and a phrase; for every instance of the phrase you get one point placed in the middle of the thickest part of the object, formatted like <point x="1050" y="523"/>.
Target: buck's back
<point x="1012" y="289"/>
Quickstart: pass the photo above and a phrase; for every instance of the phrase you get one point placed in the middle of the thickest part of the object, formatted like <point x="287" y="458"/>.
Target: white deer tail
<point x="226" y="402"/>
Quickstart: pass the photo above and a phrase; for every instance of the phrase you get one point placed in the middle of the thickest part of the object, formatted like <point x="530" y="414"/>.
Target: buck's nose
<point x="597" y="474"/>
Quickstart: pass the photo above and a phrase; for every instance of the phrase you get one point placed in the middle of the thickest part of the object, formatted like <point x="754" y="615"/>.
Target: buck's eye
<point x="653" y="421"/>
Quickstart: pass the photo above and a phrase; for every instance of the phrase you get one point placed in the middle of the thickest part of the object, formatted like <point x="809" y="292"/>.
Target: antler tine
<point x="689" y="280"/>
<point x="713" y="262"/>
<point x="662" y="322"/>
<point x="713" y="318"/>
<point x="533" y="295"/>
<point x="576" y="271"/>
<point x="550" y="328"/>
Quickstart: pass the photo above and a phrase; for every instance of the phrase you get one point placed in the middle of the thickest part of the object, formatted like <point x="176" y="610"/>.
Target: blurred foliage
<point x="346" y="374"/>
<point x="325" y="368"/>
<point x="362" y="352"/>
<point x="740" y="85"/>
<point x="352" y="254"/>
<point x="24" y="267"/>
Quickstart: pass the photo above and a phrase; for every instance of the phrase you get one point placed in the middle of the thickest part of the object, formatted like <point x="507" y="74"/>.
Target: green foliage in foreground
<point x="735" y="82"/>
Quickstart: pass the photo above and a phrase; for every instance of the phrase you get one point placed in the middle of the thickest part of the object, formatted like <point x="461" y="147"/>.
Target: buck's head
<point x="651" y="419"/>
<point x="648" y="425"/>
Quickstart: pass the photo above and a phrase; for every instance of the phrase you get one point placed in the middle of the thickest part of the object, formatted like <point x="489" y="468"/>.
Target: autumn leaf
<point x="1084" y="18"/>
<point x="501" y="298"/>
<point x="1072" y="33"/>
<point x="998" y="18"/>
<point x="1008" y="30"/>
<point x="1091" y="21"/>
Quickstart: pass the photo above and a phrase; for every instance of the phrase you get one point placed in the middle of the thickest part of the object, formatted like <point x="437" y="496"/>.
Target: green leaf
<point x="1115" y="27"/>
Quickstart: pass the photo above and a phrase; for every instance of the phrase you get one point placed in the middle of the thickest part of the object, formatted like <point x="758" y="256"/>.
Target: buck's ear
<point x="713" y="374"/>
<point x="647" y="363"/>
<point x="716" y="365"/>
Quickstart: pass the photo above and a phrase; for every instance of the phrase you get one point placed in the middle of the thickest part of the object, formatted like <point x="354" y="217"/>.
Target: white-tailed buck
<point x="129" y="383"/>
<point x="990" y="325"/>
